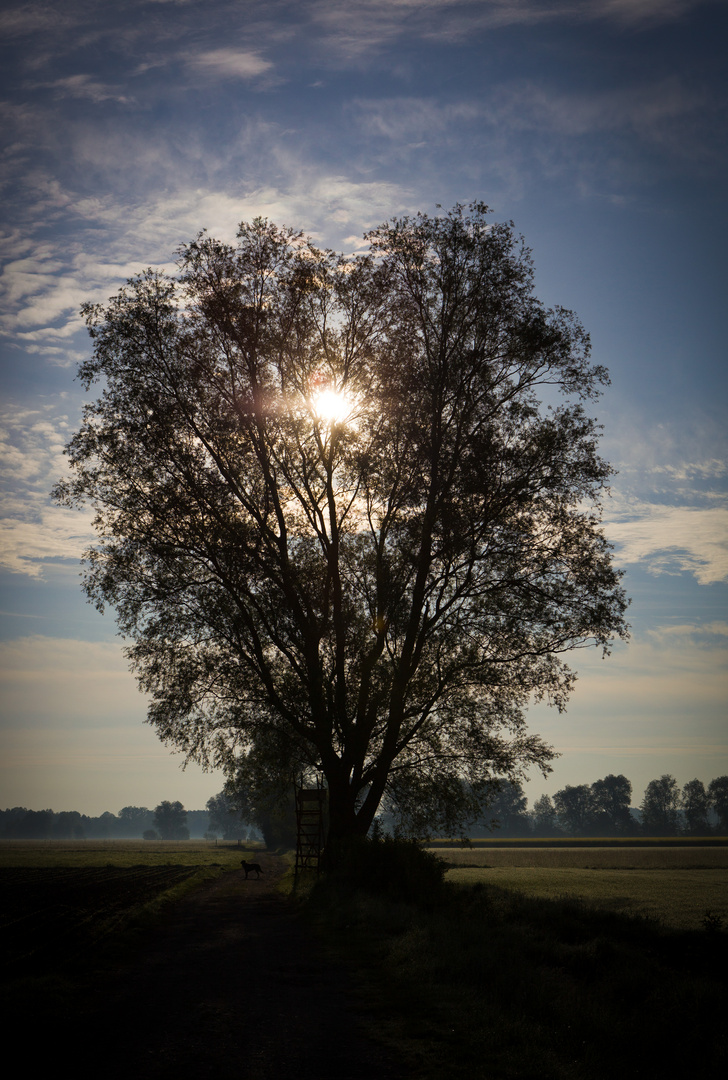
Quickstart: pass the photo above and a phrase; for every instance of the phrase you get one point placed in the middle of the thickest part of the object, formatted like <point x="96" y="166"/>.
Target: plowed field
<point x="49" y="913"/>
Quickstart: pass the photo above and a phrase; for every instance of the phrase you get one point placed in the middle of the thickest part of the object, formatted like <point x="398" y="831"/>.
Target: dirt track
<point x="231" y="986"/>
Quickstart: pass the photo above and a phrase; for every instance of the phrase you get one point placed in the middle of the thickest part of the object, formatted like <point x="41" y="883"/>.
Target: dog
<point x="248" y="867"/>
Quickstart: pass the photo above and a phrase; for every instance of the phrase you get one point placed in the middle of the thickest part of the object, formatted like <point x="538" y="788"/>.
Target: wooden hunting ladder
<point x="310" y="808"/>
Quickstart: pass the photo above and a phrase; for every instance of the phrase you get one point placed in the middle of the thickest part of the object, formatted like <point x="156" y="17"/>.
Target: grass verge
<point x="485" y="982"/>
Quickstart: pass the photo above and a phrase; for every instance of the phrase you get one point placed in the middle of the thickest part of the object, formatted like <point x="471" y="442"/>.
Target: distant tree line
<point x="599" y="809"/>
<point x="168" y="821"/>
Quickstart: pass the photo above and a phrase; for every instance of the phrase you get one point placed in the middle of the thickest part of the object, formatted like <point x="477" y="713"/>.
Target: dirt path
<point x="231" y="986"/>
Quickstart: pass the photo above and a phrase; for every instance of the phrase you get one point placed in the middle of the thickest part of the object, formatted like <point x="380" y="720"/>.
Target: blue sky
<point x="597" y="126"/>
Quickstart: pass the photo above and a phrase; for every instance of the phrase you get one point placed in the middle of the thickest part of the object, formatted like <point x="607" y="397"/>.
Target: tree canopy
<point x="335" y="520"/>
<point x="170" y="820"/>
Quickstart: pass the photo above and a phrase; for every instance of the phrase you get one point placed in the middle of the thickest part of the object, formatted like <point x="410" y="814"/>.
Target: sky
<point x="597" y="126"/>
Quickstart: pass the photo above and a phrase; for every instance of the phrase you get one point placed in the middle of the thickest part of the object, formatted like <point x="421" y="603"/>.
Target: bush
<point x="398" y="869"/>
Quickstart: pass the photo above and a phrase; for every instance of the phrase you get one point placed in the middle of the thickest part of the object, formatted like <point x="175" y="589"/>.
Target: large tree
<point x="335" y="520"/>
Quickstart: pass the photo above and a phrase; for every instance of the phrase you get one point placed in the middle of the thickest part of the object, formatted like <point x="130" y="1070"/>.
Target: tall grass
<point x="488" y="983"/>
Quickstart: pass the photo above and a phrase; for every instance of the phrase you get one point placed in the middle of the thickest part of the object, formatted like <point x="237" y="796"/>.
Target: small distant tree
<point x="543" y="817"/>
<point x="170" y="821"/>
<point x="718" y="795"/>
<point x="574" y="807"/>
<point x="661" y="807"/>
<point x="261" y="792"/>
<point x="610" y="810"/>
<point x="133" y="820"/>
<point x="507" y="810"/>
<point x="695" y="803"/>
<point x="67" y="826"/>
<point x="225" y="819"/>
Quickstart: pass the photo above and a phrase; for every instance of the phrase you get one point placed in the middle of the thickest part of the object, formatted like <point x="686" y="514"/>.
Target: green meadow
<point x="679" y="886"/>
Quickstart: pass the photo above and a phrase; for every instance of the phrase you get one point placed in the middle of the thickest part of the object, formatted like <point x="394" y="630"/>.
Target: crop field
<point x="61" y="900"/>
<point x="680" y="887"/>
<point x="84" y="853"/>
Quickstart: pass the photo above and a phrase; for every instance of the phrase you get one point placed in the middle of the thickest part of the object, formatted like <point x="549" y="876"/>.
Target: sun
<point x="332" y="407"/>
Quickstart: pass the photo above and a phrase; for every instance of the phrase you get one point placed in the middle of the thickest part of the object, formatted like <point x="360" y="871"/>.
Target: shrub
<point x="398" y="869"/>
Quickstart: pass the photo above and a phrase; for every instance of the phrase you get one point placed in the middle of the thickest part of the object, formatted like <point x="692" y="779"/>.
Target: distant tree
<point x="506" y="811"/>
<point x="610" y="809"/>
<point x="150" y="834"/>
<point x="544" y="818"/>
<point x="36" y="825"/>
<point x="170" y="821"/>
<point x="718" y="795"/>
<point x="225" y="819"/>
<point x="133" y="820"/>
<point x="695" y="804"/>
<point x="661" y="807"/>
<point x="262" y="793"/>
<point x="67" y="826"/>
<point x="104" y="826"/>
<point x="574" y="807"/>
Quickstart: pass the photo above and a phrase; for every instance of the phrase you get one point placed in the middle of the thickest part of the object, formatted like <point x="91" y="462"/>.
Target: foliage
<point x="695" y="804"/>
<point x="170" y="821"/>
<point x="491" y="983"/>
<point x="332" y="510"/>
<point x="718" y="795"/>
<point x="506" y="814"/>
<point x="573" y="806"/>
<point x="396" y="868"/>
<point x="599" y="809"/>
<point x="134" y="820"/>
<point x="225" y="818"/>
<point x="261" y="789"/>
<point x="610" y="808"/>
<point x="660" y="807"/>
<point x="543" y="817"/>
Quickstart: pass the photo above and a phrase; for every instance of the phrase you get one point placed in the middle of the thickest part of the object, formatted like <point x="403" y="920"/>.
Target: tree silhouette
<point x="660" y="807"/>
<point x="170" y="821"/>
<point x="333" y="516"/>
<point x="610" y="805"/>
<point x="718" y="795"/>
<point x="574" y="807"/>
<point x="695" y="803"/>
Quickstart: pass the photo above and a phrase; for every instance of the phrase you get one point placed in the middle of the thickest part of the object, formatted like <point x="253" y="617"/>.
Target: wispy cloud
<point x="33" y="531"/>
<point x="366" y="25"/>
<point x="83" y="86"/>
<point x="646" y="108"/>
<point x="674" y="539"/>
<point x="229" y="63"/>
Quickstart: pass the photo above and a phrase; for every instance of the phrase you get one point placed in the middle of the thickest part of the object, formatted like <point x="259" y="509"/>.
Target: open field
<point x="84" y="853"/>
<point x="60" y="900"/>
<point x="490" y="979"/>
<point x="678" y="886"/>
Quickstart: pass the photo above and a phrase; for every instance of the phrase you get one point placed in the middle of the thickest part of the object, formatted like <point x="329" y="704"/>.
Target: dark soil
<point x="231" y="984"/>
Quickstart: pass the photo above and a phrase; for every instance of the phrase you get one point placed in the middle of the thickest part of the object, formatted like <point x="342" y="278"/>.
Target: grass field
<point x="679" y="886"/>
<point x="538" y="972"/>
<point x="84" y="853"/>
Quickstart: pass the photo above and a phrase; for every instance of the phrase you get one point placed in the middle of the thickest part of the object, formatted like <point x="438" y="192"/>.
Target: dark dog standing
<point x="248" y="867"/>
